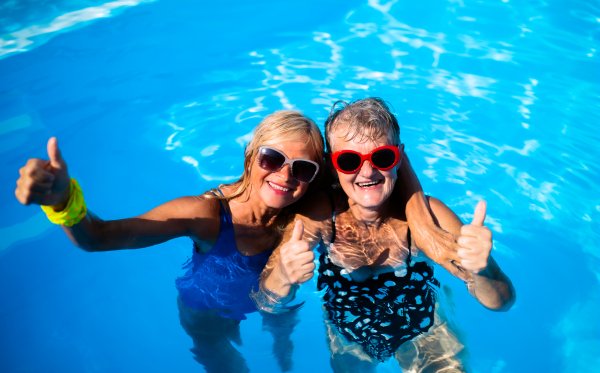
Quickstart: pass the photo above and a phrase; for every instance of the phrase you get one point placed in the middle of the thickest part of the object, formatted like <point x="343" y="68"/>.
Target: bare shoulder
<point x="444" y="216"/>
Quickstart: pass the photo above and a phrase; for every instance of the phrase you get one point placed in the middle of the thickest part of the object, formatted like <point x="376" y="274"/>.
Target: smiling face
<point x="369" y="187"/>
<point x="280" y="189"/>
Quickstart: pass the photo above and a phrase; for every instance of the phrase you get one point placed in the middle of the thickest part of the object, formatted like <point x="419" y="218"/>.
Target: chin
<point x="278" y="202"/>
<point x="371" y="201"/>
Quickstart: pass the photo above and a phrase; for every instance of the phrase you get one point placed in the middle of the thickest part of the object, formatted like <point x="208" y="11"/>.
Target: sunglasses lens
<point x="270" y="160"/>
<point x="304" y="171"/>
<point x="383" y="158"/>
<point x="348" y="162"/>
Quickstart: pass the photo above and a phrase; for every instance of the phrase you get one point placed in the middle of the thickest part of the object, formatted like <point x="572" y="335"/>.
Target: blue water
<point x="155" y="100"/>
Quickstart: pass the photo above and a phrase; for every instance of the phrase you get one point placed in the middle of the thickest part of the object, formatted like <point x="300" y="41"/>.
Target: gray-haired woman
<point x="381" y="293"/>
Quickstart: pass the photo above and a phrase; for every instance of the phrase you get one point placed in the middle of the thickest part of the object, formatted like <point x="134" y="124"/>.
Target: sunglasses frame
<point x="366" y="157"/>
<point x="287" y="161"/>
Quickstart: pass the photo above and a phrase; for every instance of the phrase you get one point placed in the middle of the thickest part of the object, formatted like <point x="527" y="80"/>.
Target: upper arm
<point x="187" y="216"/>
<point x="444" y="217"/>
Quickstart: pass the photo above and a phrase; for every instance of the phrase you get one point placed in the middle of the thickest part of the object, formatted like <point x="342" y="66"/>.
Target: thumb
<point x="56" y="160"/>
<point x="298" y="231"/>
<point x="479" y="215"/>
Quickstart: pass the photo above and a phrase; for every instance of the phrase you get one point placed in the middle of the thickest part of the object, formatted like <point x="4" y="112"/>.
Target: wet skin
<point x="371" y="235"/>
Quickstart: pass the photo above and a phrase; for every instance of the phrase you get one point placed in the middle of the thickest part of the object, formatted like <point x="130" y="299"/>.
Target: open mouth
<point x="369" y="184"/>
<point x="278" y="187"/>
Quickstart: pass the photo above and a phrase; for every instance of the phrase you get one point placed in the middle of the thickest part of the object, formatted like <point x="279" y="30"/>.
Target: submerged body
<point x="382" y="312"/>
<point x="222" y="278"/>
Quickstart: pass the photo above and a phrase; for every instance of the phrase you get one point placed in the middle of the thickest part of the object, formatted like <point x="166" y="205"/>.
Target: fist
<point x="44" y="182"/>
<point x="475" y="242"/>
<point x="296" y="258"/>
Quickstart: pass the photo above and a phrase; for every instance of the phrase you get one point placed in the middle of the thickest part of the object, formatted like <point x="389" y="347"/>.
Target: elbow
<point x="504" y="304"/>
<point x="87" y="246"/>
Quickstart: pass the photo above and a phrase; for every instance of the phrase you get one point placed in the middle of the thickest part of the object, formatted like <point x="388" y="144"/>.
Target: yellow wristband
<point x="73" y="212"/>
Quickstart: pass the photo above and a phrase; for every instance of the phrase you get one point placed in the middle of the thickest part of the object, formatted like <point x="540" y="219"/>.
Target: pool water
<point x="152" y="100"/>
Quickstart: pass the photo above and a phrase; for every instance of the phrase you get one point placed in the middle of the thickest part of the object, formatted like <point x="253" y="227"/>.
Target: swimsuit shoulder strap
<point x="332" y="217"/>
<point x="408" y="238"/>
<point x="226" y="222"/>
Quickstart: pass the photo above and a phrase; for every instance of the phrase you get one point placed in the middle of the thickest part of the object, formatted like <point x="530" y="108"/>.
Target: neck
<point x="369" y="214"/>
<point x="249" y="208"/>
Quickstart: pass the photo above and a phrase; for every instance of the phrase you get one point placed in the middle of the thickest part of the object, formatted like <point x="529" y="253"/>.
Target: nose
<point x="367" y="169"/>
<point x="285" y="173"/>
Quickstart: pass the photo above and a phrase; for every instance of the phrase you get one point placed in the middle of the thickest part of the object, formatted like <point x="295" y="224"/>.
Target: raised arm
<point x="490" y="286"/>
<point x="439" y="245"/>
<point x="47" y="183"/>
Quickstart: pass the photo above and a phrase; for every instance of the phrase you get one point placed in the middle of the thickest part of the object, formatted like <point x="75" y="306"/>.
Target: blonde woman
<point x="233" y="229"/>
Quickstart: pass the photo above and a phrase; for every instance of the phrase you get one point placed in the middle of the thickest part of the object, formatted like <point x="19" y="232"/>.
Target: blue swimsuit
<point x="222" y="278"/>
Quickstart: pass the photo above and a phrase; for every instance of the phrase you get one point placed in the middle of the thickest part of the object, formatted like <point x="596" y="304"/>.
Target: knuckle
<point x="28" y="183"/>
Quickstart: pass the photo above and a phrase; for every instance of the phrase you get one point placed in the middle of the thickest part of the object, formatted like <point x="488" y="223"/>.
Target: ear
<point x="401" y="146"/>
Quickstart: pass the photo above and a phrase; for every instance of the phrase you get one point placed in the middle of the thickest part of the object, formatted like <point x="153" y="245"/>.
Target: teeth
<point x="278" y="187"/>
<point x="370" y="183"/>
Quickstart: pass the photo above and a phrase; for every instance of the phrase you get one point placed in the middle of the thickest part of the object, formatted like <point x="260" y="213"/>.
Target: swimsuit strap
<point x="226" y="240"/>
<point x="332" y="217"/>
<point x="225" y="215"/>
<point x="409" y="246"/>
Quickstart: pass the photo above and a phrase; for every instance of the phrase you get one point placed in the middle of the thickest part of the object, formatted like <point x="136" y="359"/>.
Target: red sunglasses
<point x="382" y="158"/>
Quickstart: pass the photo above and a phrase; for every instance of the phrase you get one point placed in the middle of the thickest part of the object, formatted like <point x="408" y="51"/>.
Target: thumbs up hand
<point x="45" y="182"/>
<point x="296" y="258"/>
<point x="475" y="242"/>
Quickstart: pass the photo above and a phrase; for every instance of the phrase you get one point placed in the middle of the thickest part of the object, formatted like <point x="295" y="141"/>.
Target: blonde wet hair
<point x="281" y="126"/>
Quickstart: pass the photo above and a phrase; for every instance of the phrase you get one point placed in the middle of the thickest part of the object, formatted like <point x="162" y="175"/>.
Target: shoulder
<point x="444" y="216"/>
<point x="204" y="213"/>
<point x="193" y="207"/>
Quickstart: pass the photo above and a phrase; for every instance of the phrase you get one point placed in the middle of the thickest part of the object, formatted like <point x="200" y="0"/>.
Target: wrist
<point x="63" y="200"/>
<point x="72" y="212"/>
<point x="275" y="283"/>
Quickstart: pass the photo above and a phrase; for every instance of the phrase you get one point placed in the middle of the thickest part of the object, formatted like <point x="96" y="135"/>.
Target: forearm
<point x="492" y="288"/>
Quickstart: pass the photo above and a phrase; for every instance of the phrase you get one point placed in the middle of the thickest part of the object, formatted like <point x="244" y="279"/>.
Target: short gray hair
<point x="368" y="118"/>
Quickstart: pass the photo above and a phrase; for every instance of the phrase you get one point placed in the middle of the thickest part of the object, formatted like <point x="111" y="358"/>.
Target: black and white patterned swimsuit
<point x="382" y="312"/>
